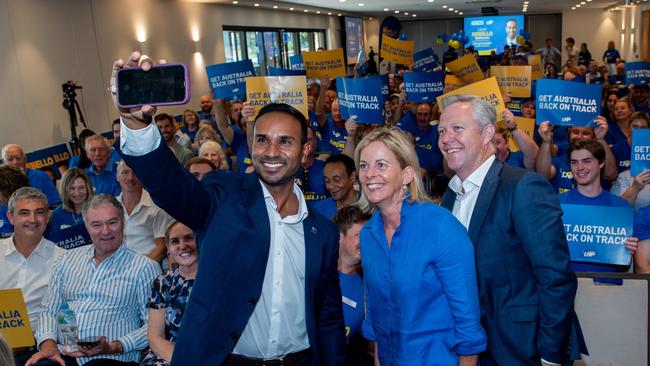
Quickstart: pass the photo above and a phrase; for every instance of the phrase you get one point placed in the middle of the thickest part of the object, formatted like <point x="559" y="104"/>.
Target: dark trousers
<point x="305" y="362"/>
<point x="21" y="359"/>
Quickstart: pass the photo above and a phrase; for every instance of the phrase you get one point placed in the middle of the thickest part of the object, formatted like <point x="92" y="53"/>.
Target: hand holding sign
<point x="600" y="131"/>
<point x="545" y="131"/>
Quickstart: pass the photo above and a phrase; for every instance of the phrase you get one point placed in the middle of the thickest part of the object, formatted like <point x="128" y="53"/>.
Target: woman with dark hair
<point x="609" y="101"/>
<point x="11" y="178"/>
<point x="619" y="129"/>
<point x="551" y="71"/>
<point x="584" y="56"/>
<point x="169" y="295"/>
<point x="81" y="160"/>
<point x="75" y="190"/>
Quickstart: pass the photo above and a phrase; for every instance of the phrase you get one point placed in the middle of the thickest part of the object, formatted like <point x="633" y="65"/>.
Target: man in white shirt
<point x="526" y="289"/>
<point x="144" y="222"/>
<point x="26" y="258"/>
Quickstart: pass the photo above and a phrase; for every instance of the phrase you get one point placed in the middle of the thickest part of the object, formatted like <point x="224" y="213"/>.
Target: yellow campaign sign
<point x="14" y="319"/>
<point x="487" y="89"/>
<point x="514" y="81"/>
<point x="399" y="52"/>
<point x="453" y="82"/>
<point x="536" y="67"/>
<point x="527" y="125"/>
<point x="466" y="68"/>
<point x="321" y="63"/>
<point x="291" y="90"/>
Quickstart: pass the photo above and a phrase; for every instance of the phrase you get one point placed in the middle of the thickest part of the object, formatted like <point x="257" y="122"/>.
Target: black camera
<point x="69" y="87"/>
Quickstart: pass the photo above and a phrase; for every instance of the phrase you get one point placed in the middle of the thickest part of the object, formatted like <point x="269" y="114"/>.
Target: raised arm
<point x="544" y="164"/>
<point x="222" y="122"/>
<point x="610" y="172"/>
<point x="526" y="143"/>
<point x="321" y="114"/>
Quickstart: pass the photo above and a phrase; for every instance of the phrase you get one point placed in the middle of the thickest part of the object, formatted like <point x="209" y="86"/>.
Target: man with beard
<point x="267" y="289"/>
<point x="167" y="128"/>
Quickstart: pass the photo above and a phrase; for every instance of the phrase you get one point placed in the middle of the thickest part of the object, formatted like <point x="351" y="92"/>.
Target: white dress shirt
<point x="144" y="225"/>
<point x="31" y="274"/>
<point x="278" y="323"/>
<point x="467" y="192"/>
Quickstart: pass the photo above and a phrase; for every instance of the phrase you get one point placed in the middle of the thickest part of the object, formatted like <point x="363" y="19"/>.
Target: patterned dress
<point x="171" y="292"/>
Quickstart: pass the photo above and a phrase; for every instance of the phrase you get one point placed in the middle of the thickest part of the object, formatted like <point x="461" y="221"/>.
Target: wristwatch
<point x="119" y="346"/>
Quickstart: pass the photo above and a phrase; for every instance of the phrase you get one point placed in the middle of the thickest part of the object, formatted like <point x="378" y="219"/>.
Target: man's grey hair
<point x="93" y="138"/>
<point x="6" y="147"/>
<point x="25" y="193"/>
<point x="484" y="112"/>
<point x="99" y="200"/>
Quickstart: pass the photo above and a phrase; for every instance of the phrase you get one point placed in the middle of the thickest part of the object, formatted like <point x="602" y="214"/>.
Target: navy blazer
<point x="526" y="287"/>
<point x="228" y="214"/>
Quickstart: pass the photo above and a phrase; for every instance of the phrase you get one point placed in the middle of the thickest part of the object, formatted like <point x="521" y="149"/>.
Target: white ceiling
<point x="424" y="8"/>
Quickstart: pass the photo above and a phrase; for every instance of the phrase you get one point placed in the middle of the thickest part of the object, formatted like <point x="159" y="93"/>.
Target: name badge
<point x="349" y="302"/>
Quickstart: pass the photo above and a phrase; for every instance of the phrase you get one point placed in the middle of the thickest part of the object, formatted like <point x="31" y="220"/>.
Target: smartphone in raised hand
<point x="166" y="84"/>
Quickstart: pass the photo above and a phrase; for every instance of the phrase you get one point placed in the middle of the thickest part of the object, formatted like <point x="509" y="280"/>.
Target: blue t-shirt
<point x="326" y="207"/>
<point x="614" y="134"/>
<point x="190" y="134"/>
<point x="313" y="122"/>
<point x="334" y="137"/>
<point x="426" y="147"/>
<point x="240" y="147"/>
<point x="6" y="229"/>
<point x="603" y="199"/>
<point x="563" y="180"/>
<point x="104" y="182"/>
<point x="62" y="218"/>
<point x="352" y="296"/>
<point x="39" y="179"/>
<point x="516" y="158"/>
<point x="610" y="56"/>
<point x="312" y="181"/>
<point x="642" y="223"/>
<point x="408" y="122"/>
<point x="622" y="152"/>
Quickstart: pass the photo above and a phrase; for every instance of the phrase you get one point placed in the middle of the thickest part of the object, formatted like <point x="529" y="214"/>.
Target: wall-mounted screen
<point x="492" y="33"/>
<point x="353" y="38"/>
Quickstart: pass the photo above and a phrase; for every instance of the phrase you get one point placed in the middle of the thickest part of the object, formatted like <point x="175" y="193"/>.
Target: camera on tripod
<point x="72" y="106"/>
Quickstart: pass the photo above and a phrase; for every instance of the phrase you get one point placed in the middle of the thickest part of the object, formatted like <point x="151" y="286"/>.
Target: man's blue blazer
<point x="228" y="214"/>
<point x="526" y="287"/>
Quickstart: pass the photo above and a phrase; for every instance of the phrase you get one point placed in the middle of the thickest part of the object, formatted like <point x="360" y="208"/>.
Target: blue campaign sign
<point x="385" y="91"/>
<point x="424" y="86"/>
<point x="70" y="237"/>
<point x="228" y="81"/>
<point x="276" y="71"/>
<point x="492" y="33"/>
<point x="361" y="99"/>
<point x="637" y="73"/>
<point x="424" y="60"/>
<point x="640" y="159"/>
<point x="50" y="157"/>
<point x="296" y="63"/>
<point x="565" y="103"/>
<point x="597" y="234"/>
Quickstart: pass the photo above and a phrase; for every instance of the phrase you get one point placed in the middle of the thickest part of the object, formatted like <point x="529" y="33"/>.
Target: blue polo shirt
<point x="39" y="179"/>
<point x="6" y="229"/>
<point x="622" y="152"/>
<point x="312" y="181"/>
<point x="408" y="122"/>
<point x="642" y="223"/>
<point x="326" y="207"/>
<point x="240" y="148"/>
<point x="104" y="182"/>
<point x="352" y="299"/>
<point x="563" y="180"/>
<point x="516" y="158"/>
<point x="426" y="147"/>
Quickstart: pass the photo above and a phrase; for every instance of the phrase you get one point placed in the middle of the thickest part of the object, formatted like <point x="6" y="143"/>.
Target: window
<point x="269" y="47"/>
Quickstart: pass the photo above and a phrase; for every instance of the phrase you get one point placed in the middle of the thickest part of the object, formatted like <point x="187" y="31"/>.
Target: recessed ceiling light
<point x="360" y="4"/>
<point x="386" y="9"/>
<point x="329" y="13"/>
<point x="430" y="1"/>
<point x="275" y="6"/>
<point x="451" y="9"/>
<point x="339" y="14"/>
<point x="306" y="11"/>
<point x="341" y="1"/>
<point x="235" y="2"/>
<point x="455" y="11"/>
<point x="396" y="11"/>
<point x="577" y="5"/>
<point x="414" y="15"/>
<point x="406" y="13"/>
<point x="291" y="9"/>
<point x="256" y="4"/>
<point x="526" y="2"/>
<point x="582" y="3"/>
<point x="524" y="10"/>
<point x="573" y="8"/>
<point x="317" y="11"/>
<point x="460" y="13"/>
<point x="444" y="6"/>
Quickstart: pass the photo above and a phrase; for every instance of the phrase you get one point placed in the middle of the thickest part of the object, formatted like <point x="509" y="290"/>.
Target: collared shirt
<point x="278" y="326"/>
<point x="105" y="181"/>
<point x="108" y="300"/>
<point x="467" y="192"/>
<point x="144" y="225"/>
<point x="31" y="274"/>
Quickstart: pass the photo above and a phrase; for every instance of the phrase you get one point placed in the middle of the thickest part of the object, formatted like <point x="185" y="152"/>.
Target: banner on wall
<point x="228" y="80"/>
<point x="566" y="103"/>
<point x="321" y="63"/>
<point x="399" y="52"/>
<point x="513" y="81"/>
<point x="640" y="159"/>
<point x="424" y="86"/>
<point x="291" y="90"/>
<point x="487" y="89"/>
<point x="466" y="68"/>
<point x="361" y="99"/>
<point x="597" y="234"/>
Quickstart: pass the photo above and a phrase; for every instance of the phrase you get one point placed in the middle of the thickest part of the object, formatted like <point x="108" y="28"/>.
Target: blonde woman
<point x="212" y="151"/>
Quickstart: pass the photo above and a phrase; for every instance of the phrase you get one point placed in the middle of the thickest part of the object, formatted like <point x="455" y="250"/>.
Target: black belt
<point x="286" y="360"/>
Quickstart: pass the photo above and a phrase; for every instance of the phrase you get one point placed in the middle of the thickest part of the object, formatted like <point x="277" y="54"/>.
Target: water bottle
<point x="68" y="328"/>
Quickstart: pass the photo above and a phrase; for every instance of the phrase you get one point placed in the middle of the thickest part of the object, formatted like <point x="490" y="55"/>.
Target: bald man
<point x="13" y="154"/>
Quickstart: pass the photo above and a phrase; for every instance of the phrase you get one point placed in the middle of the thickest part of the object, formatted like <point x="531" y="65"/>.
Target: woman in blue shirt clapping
<point x="418" y="263"/>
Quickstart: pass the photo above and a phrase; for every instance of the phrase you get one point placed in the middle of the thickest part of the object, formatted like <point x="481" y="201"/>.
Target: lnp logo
<point x="589" y="253"/>
<point x="314" y="230"/>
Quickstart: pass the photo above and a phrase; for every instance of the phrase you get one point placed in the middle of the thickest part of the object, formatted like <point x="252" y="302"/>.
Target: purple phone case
<point x="186" y="98"/>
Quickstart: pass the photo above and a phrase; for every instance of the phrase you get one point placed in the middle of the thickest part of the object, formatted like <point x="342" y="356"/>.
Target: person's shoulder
<point x="138" y="261"/>
<point x="54" y="250"/>
<point x="617" y="201"/>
